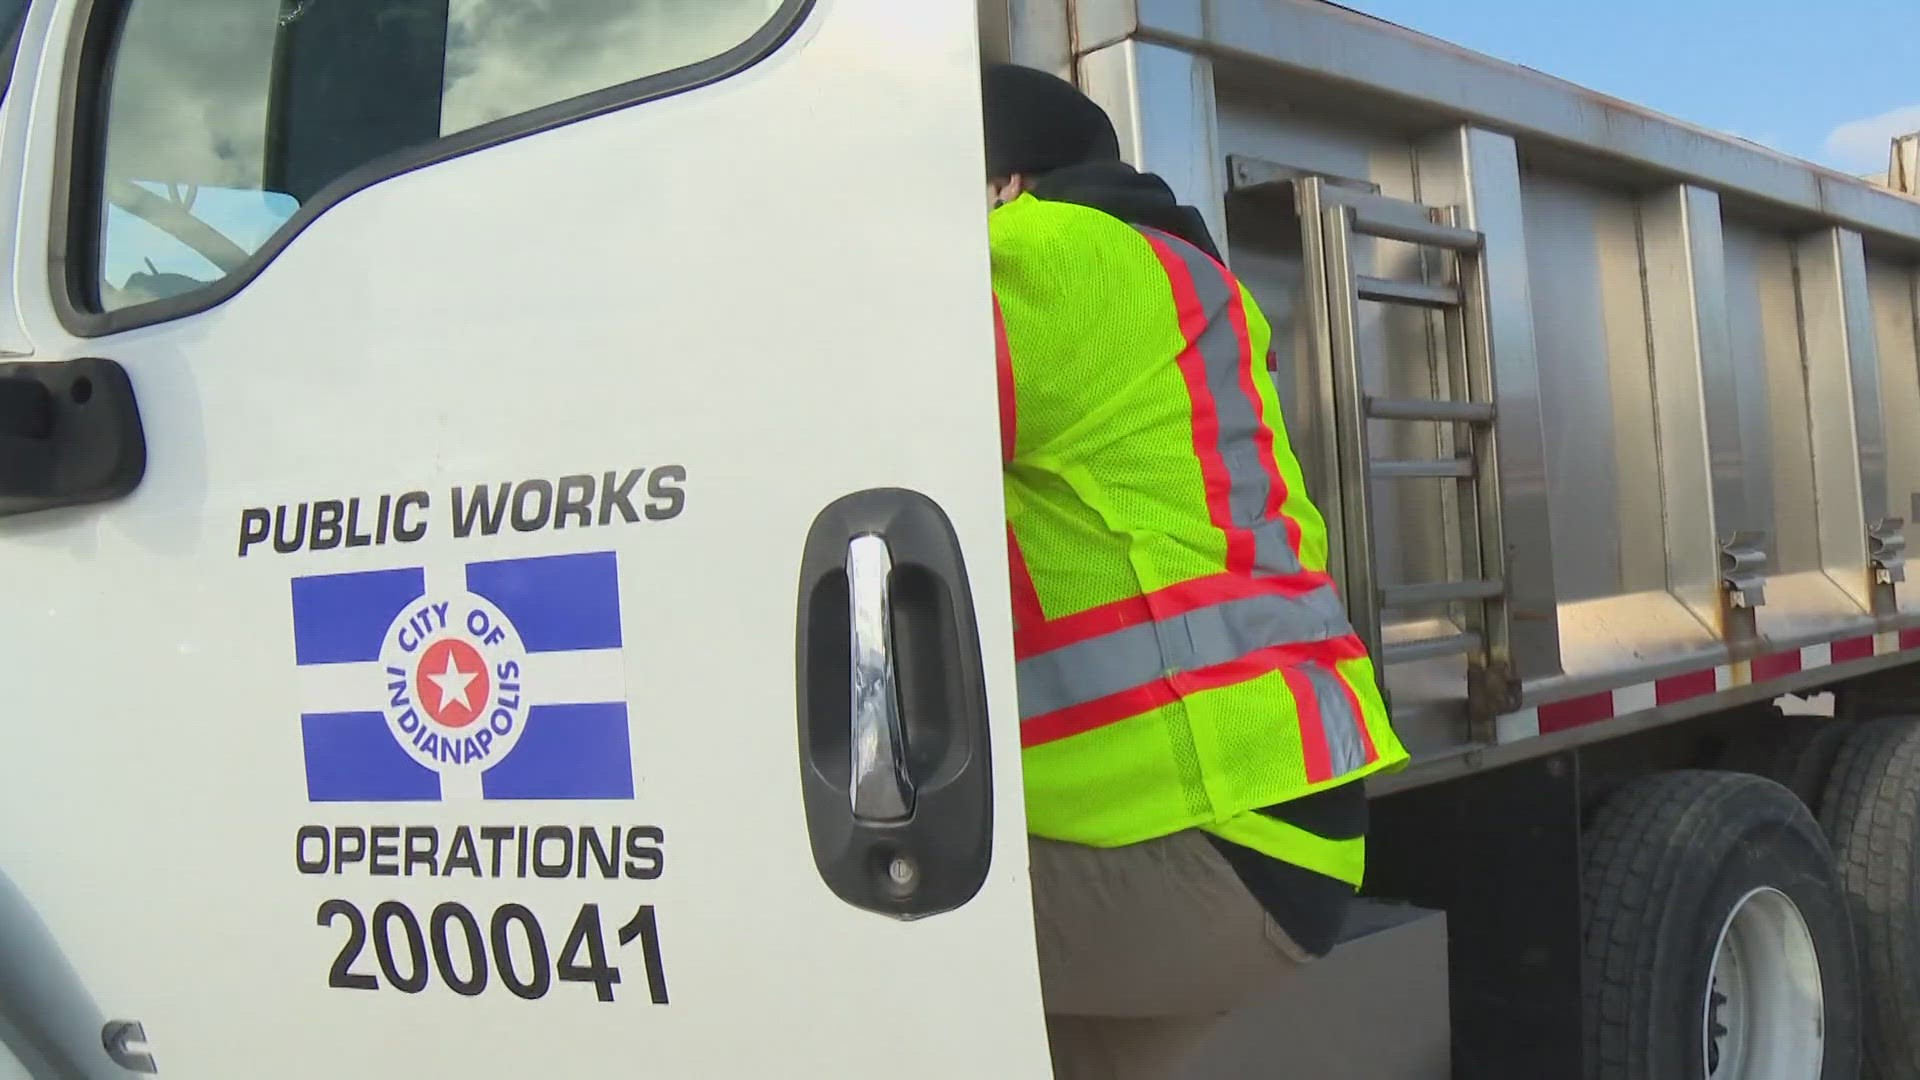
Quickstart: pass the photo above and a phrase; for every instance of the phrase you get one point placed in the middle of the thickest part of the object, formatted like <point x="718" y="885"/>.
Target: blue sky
<point x="1828" y="80"/>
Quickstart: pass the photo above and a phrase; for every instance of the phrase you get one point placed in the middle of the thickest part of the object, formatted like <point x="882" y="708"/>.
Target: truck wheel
<point x="1871" y="803"/>
<point x="1797" y="751"/>
<point x="1718" y="942"/>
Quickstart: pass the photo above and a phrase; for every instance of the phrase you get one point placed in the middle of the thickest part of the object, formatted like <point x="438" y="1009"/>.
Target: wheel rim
<point x="1764" y="1017"/>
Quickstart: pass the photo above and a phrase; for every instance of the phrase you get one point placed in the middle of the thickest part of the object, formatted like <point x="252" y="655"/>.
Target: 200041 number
<point x="466" y="957"/>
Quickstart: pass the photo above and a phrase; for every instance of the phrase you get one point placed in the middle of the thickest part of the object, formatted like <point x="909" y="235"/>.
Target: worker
<point x="1196" y="711"/>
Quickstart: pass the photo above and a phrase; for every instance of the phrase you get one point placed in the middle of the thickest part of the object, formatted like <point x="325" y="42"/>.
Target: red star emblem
<point x="452" y="683"/>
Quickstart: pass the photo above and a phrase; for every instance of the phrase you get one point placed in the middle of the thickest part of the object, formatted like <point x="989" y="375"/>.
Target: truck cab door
<point x="539" y="591"/>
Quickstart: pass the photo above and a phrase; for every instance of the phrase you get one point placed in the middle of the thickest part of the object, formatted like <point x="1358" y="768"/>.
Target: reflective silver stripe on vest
<point x="1138" y="655"/>
<point x="1249" y="484"/>
<point x="1345" y="751"/>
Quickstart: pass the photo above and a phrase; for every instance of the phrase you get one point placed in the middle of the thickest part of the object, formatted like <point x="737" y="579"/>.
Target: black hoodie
<point x="1137" y="198"/>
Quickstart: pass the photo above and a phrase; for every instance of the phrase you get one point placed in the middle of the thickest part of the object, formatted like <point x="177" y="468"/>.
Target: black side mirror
<point x="70" y="434"/>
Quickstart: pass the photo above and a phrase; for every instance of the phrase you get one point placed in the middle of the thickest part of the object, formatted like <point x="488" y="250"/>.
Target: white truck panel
<point x="587" y="300"/>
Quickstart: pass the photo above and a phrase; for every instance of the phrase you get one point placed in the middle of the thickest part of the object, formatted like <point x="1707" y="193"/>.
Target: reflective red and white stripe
<point x="1588" y="709"/>
<point x="1233" y="437"/>
<point x="1026" y="601"/>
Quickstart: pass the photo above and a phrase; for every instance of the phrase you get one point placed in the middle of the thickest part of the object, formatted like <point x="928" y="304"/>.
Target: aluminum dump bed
<point x="1612" y="417"/>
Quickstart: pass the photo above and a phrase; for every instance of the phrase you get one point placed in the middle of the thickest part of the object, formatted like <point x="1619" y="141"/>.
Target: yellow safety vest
<point x="1184" y="659"/>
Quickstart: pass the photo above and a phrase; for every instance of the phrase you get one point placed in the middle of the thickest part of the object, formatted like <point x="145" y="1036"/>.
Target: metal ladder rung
<point x="1400" y="652"/>
<point x="1413" y="293"/>
<point x="1392" y="221"/>
<point x="1399" y="597"/>
<point x="1445" y="412"/>
<point x="1334" y="220"/>
<point x="1422" y="469"/>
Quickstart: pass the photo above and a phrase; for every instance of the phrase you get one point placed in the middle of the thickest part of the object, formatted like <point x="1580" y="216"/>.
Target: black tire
<point x="1668" y="859"/>
<point x="1873" y="799"/>
<point x="1799" y="752"/>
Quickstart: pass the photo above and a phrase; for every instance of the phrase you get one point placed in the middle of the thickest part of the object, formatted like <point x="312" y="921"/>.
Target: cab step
<point x="1388" y="975"/>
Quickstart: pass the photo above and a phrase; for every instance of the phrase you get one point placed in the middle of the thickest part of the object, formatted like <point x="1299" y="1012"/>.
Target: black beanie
<point x="1037" y="123"/>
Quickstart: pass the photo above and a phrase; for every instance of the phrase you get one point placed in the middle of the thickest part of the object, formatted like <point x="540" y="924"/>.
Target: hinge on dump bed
<point x="1743" y="565"/>
<point x="1887" y="549"/>
<point x="1743" y="583"/>
<point x="1887" y="562"/>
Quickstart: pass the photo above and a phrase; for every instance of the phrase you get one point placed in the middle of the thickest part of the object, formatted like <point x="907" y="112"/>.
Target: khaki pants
<point x="1143" y="949"/>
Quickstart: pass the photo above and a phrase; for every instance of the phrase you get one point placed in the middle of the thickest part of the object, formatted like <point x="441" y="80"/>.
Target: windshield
<point x="12" y="14"/>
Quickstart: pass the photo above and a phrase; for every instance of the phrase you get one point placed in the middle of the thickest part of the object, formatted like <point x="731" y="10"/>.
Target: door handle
<point x="882" y="790"/>
<point x="70" y="434"/>
<point x="895" y="758"/>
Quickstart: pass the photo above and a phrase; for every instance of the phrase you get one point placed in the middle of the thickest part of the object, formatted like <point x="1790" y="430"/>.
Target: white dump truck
<point x="446" y="446"/>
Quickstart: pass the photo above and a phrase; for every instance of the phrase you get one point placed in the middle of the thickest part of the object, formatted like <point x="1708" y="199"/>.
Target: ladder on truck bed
<point x="1334" y="214"/>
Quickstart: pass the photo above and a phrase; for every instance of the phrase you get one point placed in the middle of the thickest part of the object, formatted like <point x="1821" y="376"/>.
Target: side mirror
<point x="70" y="434"/>
<point x="26" y="434"/>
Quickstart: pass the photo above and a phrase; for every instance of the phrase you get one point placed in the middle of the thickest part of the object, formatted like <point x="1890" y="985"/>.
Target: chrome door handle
<point x="881" y="790"/>
<point x="890" y="690"/>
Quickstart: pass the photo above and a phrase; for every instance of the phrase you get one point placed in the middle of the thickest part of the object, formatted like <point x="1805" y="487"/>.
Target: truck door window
<point x="13" y="15"/>
<point x="221" y="127"/>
